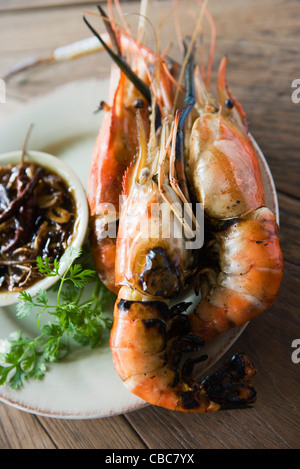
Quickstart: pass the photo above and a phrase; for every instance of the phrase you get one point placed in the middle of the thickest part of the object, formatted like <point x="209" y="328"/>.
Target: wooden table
<point x="261" y="38"/>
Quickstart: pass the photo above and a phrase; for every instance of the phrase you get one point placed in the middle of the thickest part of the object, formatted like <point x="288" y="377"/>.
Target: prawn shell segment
<point x="115" y="147"/>
<point x="151" y="255"/>
<point x="251" y="270"/>
<point x="114" y="150"/>
<point x="224" y="167"/>
<point x="139" y="337"/>
<point x="251" y="260"/>
<point x="145" y="347"/>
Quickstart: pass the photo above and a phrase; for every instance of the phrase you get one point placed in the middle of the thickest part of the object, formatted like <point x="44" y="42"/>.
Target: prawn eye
<point x="139" y="103"/>
<point x="144" y="175"/>
<point x="229" y="103"/>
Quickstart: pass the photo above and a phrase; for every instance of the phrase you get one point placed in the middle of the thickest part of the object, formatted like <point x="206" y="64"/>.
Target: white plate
<point x="85" y="385"/>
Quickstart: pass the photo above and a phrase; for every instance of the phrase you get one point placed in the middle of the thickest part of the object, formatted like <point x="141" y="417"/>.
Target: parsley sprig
<point x="72" y="317"/>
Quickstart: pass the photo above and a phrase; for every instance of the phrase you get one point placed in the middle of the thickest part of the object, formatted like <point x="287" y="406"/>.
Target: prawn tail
<point x="151" y="346"/>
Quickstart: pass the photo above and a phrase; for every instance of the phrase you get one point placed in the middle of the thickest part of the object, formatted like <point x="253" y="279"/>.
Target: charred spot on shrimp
<point x="189" y="400"/>
<point x="179" y="308"/>
<point x="157" y="327"/>
<point x="230" y="395"/>
<point x="155" y="323"/>
<point x="190" y="363"/>
<point x="159" y="277"/>
<point x="229" y="386"/>
<point x="188" y="343"/>
<point x="184" y="344"/>
<point x="145" y="310"/>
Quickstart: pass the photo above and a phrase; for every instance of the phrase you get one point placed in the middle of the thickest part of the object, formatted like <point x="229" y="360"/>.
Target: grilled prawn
<point x="114" y="150"/>
<point x="151" y="336"/>
<point x="117" y="142"/>
<point x="242" y="266"/>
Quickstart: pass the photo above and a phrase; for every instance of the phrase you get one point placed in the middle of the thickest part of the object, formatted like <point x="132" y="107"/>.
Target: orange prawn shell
<point x="227" y="178"/>
<point x="135" y="245"/>
<point x="252" y="267"/>
<point x="114" y="150"/>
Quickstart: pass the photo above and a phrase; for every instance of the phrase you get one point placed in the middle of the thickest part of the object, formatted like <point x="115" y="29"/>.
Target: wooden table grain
<point x="262" y="40"/>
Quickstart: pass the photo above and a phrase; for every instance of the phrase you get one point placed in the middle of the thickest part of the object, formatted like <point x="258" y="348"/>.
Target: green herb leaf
<point x="42" y="297"/>
<point x="72" y="318"/>
<point x="80" y="277"/>
<point x="69" y="256"/>
<point x="25" y="305"/>
<point x="45" y="268"/>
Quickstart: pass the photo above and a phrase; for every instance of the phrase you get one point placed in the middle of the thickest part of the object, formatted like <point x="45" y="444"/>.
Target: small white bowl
<point x="71" y="179"/>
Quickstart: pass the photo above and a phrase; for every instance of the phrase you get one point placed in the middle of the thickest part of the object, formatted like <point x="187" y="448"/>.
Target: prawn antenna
<point x="189" y="87"/>
<point x="110" y="30"/>
<point x="123" y="65"/>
